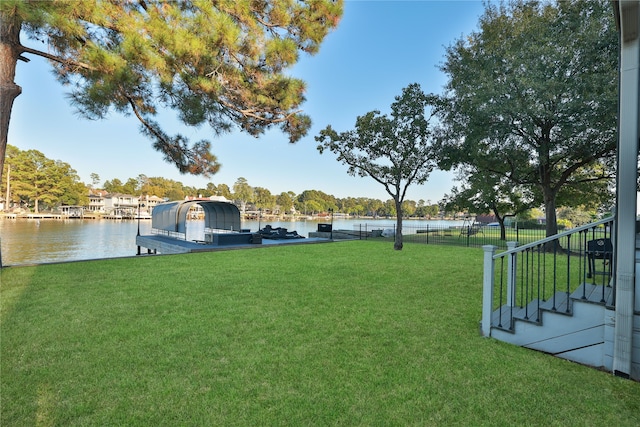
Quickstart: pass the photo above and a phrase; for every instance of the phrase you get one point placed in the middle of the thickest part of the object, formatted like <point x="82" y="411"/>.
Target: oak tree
<point x="532" y="97"/>
<point x="394" y="150"/>
<point x="217" y="62"/>
<point x="486" y="192"/>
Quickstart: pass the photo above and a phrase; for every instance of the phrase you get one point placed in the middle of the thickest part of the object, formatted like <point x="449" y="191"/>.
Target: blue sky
<point x="379" y="48"/>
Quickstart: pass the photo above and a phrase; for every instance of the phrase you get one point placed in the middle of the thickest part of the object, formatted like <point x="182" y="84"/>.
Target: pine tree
<point x="220" y="63"/>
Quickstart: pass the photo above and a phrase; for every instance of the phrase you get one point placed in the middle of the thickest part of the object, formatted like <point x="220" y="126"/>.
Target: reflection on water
<point x="28" y="241"/>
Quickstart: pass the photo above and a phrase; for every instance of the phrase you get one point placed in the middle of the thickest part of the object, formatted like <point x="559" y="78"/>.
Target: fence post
<point x="427" y="234"/>
<point x="487" y="289"/>
<point x="511" y="275"/>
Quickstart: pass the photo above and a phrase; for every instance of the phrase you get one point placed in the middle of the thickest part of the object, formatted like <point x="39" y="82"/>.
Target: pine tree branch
<point x="57" y="59"/>
<point x="144" y="122"/>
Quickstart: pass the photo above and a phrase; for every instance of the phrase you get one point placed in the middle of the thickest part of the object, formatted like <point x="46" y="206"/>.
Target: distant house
<point x="101" y="201"/>
<point x="147" y="203"/>
<point x="120" y="204"/>
<point x="96" y="201"/>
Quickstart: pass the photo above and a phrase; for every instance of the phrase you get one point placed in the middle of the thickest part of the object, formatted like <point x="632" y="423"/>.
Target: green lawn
<point x="350" y="333"/>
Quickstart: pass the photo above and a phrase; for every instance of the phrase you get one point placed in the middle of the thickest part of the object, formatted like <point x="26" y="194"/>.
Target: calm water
<point x="25" y="241"/>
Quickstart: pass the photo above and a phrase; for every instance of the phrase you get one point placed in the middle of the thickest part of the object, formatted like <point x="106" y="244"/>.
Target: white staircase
<point x="572" y="328"/>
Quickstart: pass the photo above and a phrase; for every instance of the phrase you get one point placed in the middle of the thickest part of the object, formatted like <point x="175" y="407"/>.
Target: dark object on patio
<point x="324" y="228"/>
<point x="279" y="233"/>
<point x="599" y="249"/>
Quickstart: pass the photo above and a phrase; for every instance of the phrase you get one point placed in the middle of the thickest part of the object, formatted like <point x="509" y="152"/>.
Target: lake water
<point x="29" y="241"/>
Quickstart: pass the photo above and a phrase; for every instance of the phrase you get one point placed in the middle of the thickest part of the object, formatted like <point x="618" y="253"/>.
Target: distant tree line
<point x="38" y="183"/>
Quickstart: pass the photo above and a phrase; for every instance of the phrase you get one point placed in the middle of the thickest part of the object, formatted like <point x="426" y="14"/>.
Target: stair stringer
<point x="578" y="337"/>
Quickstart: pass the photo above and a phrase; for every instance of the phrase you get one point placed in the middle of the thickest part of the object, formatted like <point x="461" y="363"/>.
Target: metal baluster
<point x="568" y="270"/>
<point x="555" y="272"/>
<point x="526" y="307"/>
<point x="544" y="275"/>
<point x="522" y="284"/>
<point x="513" y="302"/>
<point x="586" y="260"/>
<point x="538" y="311"/>
<point x="501" y="290"/>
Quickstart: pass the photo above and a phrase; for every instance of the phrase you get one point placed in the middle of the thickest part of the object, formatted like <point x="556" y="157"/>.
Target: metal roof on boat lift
<point x="172" y="216"/>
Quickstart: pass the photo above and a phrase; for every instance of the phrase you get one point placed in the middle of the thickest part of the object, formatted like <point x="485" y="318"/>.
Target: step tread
<point x="504" y="317"/>
<point x="557" y="303"/>
<point x="594" y="293"/>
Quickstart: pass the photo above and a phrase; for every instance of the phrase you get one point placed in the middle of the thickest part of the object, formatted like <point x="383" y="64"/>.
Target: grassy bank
<point x="349" y="333"/>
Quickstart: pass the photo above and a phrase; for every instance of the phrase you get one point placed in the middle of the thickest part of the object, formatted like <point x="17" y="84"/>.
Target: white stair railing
<point x="538" y="270"/>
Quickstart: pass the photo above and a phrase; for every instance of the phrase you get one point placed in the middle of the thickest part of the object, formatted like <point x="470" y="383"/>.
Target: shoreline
<point x="244" y="217"/>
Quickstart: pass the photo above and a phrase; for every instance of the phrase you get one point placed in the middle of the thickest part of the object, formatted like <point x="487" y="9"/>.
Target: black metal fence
<point x="475" y="235"/>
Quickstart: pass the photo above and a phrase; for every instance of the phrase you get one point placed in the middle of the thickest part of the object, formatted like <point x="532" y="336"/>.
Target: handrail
<point x="522" y="272"/>
<point x="554" y="237"/>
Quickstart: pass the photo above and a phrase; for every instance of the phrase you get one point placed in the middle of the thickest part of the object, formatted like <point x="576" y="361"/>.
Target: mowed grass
<point x="350" y="333"/>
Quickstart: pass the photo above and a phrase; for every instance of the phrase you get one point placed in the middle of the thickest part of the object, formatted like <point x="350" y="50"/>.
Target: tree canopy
<point x="532" y="98"/>
<point x="221" y="63"/>
<point x="395" y="151"/>
<point x="488" y="192"/>
<point x="42" y="182"/>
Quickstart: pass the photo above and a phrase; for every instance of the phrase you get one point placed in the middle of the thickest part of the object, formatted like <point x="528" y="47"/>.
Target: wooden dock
<point x="38" y="216"/>
<point x="88" y="215"/>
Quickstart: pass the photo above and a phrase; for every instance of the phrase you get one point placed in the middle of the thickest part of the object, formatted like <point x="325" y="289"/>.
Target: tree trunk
<point x="503" y="230"/>
<point x="501" y="219"/>
<point x="397" y="243"/>
<point x="550" y="212"/>
<point x="9" y="90"/>
<point x="551" y="220"/>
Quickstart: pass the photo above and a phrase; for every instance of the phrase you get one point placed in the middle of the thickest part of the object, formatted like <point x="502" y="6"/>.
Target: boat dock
<point x="163" y="244"/>
<point x="37" y="216"/>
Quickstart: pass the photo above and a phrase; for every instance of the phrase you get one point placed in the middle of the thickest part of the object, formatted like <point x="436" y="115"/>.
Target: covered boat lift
<point x="169" y="228"/>
<point x="172" y="217"/>
<point x="222" y="229"/>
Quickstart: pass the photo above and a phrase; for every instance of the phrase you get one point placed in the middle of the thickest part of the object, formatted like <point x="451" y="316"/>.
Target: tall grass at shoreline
<point x="350" y="333"/>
